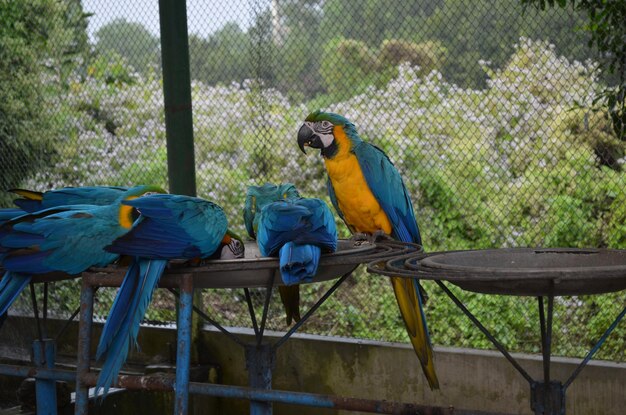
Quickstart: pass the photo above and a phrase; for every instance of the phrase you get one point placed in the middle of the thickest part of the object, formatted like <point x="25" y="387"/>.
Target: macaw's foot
<point x="379" y="235"/>
<point x="359" y="238"/>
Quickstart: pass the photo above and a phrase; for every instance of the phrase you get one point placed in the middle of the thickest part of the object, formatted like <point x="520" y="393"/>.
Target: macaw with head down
<point x="169" y="227"/>
<point x="370" y="196"/>
<point x="256" y="198"/>
<point x="259" y="196"/>
<point x="67" y="239"/>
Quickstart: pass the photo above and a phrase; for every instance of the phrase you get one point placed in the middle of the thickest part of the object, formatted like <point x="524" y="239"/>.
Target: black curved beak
<point x="306" y="137"/>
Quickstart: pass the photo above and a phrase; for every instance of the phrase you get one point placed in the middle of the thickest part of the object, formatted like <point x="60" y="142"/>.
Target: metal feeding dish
<point x="519" y="271"/>
<point x="254" y="270"/>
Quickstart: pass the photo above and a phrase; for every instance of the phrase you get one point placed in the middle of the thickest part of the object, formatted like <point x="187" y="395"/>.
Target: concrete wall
<point x="470" y="379"/>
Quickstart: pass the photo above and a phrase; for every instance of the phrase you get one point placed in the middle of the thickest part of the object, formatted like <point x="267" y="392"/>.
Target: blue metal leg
<point x="44" y="352"/>
<point x="183" y="348"/>
<point x="84" y="347"/>
<point x="260" y="361"/>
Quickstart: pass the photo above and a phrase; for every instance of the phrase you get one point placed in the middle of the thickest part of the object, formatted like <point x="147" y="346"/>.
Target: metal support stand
<point x="260" y="361"/>
<point x="183" y="346"/>
<point x="44" y="352"/>
<point x="84" y="348"/>
<point x="547" y="397"/>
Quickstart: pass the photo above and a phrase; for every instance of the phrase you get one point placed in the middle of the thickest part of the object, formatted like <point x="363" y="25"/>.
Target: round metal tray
<point x="255" y="270"/>
<point x="517" y="271"/>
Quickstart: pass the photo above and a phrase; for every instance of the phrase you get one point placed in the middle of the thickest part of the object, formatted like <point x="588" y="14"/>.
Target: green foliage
<point x="131" y="41"/>
<point x="223" y="57"/>
<point x="607" y="29"/>
<point x="40" y="43"/>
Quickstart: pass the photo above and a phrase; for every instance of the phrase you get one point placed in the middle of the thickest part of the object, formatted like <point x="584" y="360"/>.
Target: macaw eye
<point x="326" y="124"/>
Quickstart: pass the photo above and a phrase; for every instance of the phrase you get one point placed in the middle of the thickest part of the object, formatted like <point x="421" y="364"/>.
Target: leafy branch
<point x="608" y="34"/>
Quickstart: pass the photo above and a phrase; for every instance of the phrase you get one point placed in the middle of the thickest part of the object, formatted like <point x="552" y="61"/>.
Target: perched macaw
<point x="370" y="196"/>
<point x="68" y="239"/>
<point x="259" y="196"/>
<point x="33" y="201"/>
<point x="169" y="227"/>
<point x="256" y="198"/>
<point x="297" y="230"/>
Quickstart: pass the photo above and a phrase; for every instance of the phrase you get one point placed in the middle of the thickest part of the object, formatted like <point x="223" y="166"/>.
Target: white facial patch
<point x="327" y="139"/>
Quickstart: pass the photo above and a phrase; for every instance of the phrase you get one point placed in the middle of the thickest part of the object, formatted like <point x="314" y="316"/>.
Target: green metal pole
<point x="181" y="165"/>
<point x="181" y="168"/>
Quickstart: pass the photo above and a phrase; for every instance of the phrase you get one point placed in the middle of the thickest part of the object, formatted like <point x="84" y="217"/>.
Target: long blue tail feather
<point x="126" y="315"/>
<point x="119" y="309"/>
<point x="298" y="263"/>
<point x="11" y="286"/>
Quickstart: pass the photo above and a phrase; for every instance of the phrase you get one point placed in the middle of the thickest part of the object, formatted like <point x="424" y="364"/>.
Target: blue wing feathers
<point x="387" y="186"/>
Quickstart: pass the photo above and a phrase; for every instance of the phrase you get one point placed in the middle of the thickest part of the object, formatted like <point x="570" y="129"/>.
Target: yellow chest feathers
<point x="360" y="208"/>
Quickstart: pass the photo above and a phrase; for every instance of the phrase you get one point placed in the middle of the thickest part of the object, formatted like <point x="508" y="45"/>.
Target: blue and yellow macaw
<point x="33" y="201"/>
<point x="259" y="196"/>
<point x="169" y="227"/>
<point x="370" y="196"/>
<point x="297" y="231"/>
<point x="256" y="198"/>
<point x="67" y="239"/>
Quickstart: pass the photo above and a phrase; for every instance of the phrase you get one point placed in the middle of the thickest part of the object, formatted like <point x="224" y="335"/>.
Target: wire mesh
<point x="482" y="106"/>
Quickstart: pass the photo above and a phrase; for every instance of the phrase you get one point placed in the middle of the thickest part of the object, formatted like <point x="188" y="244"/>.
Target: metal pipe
<point x="38" y="373"/>
<point x="255" y="326"/>
<point x="295" y="398"/>
<point x="309" y="313"/>
<point x="211" y="321"/>
<point x="45" y="310"/>
<point x="545" y="347"/>
<point x="181" y="170"/>
<point x="266" y="307"/>
<point x="67" y="324"/>
<point x="594" y="349"/>
<point x="486" y="332"/>
<point x="33" y="299"/>
<point x="84" y="347"/>
<point x="260" y="362"/>
<point x="183" y="347"/>
<point x="44" y="352"/>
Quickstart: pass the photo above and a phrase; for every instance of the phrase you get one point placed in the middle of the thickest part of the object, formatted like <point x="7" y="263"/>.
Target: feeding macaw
<point x="33" y="201"/>
<point x="68" y="239"/>
<point x="369" y="195"/>
<point x="256" y="198"/>
<point x="169" y="227"/>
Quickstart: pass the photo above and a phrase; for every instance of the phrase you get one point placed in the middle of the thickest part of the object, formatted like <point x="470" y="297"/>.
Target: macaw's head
<point x="232" y="246"/>
<point x="327" y="131"/>
<point x="128" y="214"/>
<point x="259" y="196"/>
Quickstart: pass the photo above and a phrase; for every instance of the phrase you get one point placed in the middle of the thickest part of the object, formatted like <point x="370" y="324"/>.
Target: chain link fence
<point x="483" y="106"/>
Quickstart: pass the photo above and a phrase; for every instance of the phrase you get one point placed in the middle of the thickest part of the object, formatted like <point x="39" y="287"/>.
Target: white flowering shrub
<point x="519" y="163"/>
